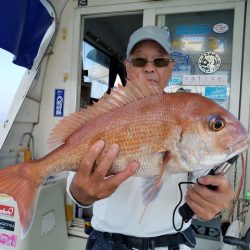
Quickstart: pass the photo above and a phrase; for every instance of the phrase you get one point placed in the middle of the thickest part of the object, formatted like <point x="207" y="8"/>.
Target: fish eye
<point x="217" y="124"/>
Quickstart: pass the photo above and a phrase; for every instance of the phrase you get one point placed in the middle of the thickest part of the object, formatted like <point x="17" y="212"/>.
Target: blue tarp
<point x="23" y="24"/>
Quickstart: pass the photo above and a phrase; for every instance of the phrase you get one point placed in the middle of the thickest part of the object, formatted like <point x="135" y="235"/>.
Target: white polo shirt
<point x="122" y="211"/>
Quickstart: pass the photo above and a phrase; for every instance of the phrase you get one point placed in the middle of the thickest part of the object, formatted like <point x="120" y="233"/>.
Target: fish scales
<point x="139" y="129"/>
<point x="152" y="125"/>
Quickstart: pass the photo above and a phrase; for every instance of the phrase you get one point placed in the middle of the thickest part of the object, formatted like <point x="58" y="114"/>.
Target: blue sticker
<point x="216" y="93"/>
<point x="182" y="62"/>
<point x="175" y="80"/>
<point x="59" y="102"/>
<point x="198" y="29"/>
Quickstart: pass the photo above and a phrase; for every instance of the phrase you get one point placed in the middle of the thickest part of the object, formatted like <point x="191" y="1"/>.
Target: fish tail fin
<point x="20" y="182"/>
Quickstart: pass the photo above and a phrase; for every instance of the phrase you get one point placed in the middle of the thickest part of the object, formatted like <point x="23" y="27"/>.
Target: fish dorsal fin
<point x="120" y="97"/>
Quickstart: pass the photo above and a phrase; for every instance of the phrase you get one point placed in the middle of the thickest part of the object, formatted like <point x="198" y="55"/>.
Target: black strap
<point x="120" y="240"/>
<point x="174" y="248"/>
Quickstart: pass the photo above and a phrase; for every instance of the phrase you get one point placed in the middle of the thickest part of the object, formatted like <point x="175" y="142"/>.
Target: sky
<point x="10" y="78"/>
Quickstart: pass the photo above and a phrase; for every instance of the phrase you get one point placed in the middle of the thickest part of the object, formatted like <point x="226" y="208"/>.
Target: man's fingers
<point x="90" y="157"/>
<point x="205" y="202"/>
<point x="103" y="167"/>
<point x="198" y="207"/>
<point x="220" y="181"/>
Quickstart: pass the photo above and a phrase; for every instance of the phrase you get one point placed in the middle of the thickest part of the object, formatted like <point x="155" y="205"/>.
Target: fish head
<point x="209" y="135"/>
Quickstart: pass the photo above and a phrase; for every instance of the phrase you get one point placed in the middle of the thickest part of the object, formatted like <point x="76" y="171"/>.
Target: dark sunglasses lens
<point x="161" y="62"/>
<point x="139" y="62"/>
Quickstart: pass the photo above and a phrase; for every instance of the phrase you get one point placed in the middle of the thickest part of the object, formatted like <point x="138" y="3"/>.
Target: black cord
<point x="173" y="217"/>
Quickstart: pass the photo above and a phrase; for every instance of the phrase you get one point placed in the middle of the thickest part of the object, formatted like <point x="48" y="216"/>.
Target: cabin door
<point x="207" y="43"/>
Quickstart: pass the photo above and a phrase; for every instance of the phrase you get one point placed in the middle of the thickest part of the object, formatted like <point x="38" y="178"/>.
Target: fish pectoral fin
<point x="151" y="186"/>
<point x="149" y="189"/>
<point x="165" y="159"/>
<point x="166" y="156"/>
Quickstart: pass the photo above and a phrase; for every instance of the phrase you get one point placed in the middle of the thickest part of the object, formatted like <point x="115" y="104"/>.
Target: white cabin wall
<point x="59" y="64"/>
<point x="9" y="151"/>
<point x="24" y="122"/>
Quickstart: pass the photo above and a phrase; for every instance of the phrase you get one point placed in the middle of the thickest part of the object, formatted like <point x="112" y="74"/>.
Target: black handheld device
<point x="185" y="211"/>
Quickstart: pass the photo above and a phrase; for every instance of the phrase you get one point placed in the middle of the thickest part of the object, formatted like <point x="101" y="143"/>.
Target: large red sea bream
<point x="176" y="132"/>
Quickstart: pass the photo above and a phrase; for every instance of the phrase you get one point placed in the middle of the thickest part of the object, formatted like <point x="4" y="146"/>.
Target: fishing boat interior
<point x="60" y="56"/>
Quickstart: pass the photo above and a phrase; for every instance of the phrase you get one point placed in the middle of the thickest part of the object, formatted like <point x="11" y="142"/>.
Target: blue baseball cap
<point x="154" y="33"/>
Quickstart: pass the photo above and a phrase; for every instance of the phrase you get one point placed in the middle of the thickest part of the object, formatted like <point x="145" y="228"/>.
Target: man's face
<point x="149" y="50"/>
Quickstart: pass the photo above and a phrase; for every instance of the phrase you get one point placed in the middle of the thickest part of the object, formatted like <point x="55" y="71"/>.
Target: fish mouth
<point x="239" y="147"/>
<point x="235" y="149"/>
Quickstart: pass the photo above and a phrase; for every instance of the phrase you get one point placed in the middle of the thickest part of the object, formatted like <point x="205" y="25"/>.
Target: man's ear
<point x="126" y="64"/>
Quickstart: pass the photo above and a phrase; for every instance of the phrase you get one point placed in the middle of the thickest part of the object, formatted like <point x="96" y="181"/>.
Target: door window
<point x="96" y="70"/>
<point x="202" y="43"/>
<point x="104" y="48"/>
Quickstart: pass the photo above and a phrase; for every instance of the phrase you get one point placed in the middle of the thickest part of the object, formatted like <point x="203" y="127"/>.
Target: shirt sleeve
<point x="69" y="180"/>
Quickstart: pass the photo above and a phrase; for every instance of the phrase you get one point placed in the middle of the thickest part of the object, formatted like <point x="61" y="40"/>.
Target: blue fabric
<point x="23" y="24"/>
<point x="96" y="241"/>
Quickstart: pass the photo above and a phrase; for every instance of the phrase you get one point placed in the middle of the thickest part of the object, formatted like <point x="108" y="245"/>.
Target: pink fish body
<point x="178" y="132"/>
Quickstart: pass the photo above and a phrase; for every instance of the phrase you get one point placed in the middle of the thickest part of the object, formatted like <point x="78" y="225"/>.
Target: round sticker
<point x="209" y="62"/>
<point x="220" y="28"/>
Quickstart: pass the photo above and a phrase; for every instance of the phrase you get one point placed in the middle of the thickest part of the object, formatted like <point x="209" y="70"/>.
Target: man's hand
<point x="91" y="182"/>
<point x="206" y="203"/>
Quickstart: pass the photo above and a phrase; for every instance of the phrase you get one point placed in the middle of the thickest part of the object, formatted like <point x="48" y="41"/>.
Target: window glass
<point x="96" y="64"/>
<point x="202" y="43"/>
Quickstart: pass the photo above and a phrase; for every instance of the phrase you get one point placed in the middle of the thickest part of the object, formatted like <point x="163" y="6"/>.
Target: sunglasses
<point x="158" y="62"/>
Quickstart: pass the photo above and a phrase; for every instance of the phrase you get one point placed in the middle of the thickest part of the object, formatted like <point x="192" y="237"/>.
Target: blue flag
<point x="23" y="24"/>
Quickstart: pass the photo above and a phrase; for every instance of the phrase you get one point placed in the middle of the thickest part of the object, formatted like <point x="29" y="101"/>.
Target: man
<point x="118" y="204"/>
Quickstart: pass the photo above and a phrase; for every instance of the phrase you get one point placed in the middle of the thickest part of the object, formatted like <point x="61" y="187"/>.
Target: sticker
<point x="189" y="43"/>
<point x="216" y="93"/>
<point x="7" y="225"/>
<point x="213" y="43"/>
<point x="7" y="210"/>
<point x="8" y="239"/>
<point x="209" y="62"/>
<point x="193" y="29"/>
<point x="175" y="81"/>
<point x="59" y="102"/>
<point x="205" y="80"/>
<point x="182" y="61"/>
<point x="220" y="28"/>
<point x="213" y="79"/>
<point x="191" y="80"/>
